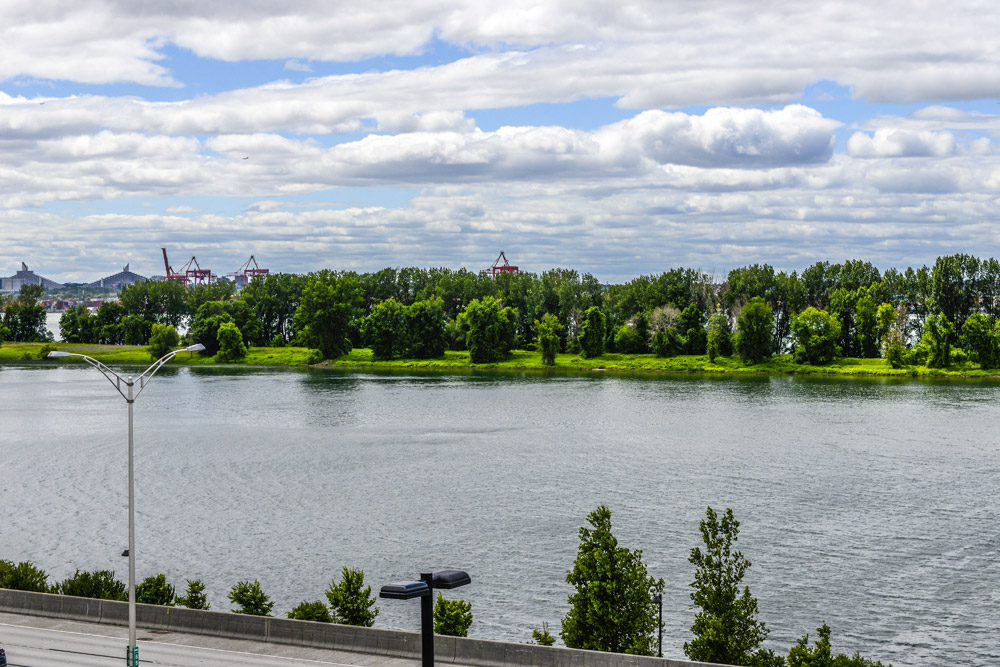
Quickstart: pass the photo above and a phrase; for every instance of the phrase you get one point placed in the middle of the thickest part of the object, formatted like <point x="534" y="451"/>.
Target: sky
<point x="620" y="139"/>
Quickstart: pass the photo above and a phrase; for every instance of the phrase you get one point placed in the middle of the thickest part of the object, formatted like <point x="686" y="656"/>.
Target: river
<point x="871" y="505"/>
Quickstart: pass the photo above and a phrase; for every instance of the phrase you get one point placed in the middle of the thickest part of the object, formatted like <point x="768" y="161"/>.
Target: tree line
<point x="611" y="608"/>
<point x="930" y="315"/>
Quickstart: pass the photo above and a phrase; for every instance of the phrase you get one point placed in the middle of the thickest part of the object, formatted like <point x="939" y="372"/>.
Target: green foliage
<point x="452" y="617"/>
<point x="542" y="637"/>
<point x="350" y="600"/>
<point x="23" y="577"/>
<point x="425" y="327"/>
<point x="628" y="340"/>
<point x="719" y="337"/>
<point x="25" y="322"/>
<point x="325" y="316"/>
<point x="726" y="629"/>
<point x="311" y="611"/>
<point x="163" y="339"/>
<point x="194" y="596"/>
<point x="938" y="331"/>
<point x="754" y="327"/>
<point x="43" y="352"/>
<point x="155" y="590"/>
<point x="612" y="608"/>
<point x="251" y="599"/>
<point x="101" y="585"/>
<point x="981" y="338"/>
<point x="155" y="302"/>
<point x="205" y="326"/>
<point x="76" y="325"/>
<point x="230" y="343"/>
<point x="592" y="333"/>
<point x="692" y="328"/>
<point x="816" y="333"/>
<point x="491" y="330"/>
<point x="549" y="340"/>
<point x="385" y="331"/>
<point x="821" y="655"/>
<point x="135" y="330"/>
<point x="895" y="354"/>
<point x="273" y="299"/>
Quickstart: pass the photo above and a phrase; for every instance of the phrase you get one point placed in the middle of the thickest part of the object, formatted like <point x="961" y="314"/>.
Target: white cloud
<point x="901" y="143"/>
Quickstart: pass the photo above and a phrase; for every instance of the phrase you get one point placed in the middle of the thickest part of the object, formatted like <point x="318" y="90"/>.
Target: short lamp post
<point x="129" y="393"/>
<point x="658" y="601"/>
<point x="406" y="590"/>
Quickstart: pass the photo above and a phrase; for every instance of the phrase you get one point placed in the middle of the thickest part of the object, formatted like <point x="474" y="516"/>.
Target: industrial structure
<point x="189" y="274"/>
<point x="117" y="281"/>
<point x="243" y="275"/>
<point x="497" y="267"/>
<point x="12" y="284"/>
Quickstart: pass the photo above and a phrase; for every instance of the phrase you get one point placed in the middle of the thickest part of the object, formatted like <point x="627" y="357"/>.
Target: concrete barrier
<point x="370" y="641"/>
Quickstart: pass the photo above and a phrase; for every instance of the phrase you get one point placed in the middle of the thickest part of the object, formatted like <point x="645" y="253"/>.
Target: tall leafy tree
<point x="425" y="326"/>
<point x="816" y="333"/>
<point x="24" y="318"/>
<point x="325" y="317"/>
<point x="548" y="338"/>
<point x="726" y="629"/>
<point x="491" y="330"/>
<point x="273" y="299"/>
<point x="612" y="608"/>
<point x="981" y="338"/>
<point x="384" y="330"/>
<point x="938" y="332"/>
<point x="230" y="343"/>
<point x="163" y="339"/>
<point x="592" y="333"/>
<point x="754" y="327"/>
<point x="719" y="337"/>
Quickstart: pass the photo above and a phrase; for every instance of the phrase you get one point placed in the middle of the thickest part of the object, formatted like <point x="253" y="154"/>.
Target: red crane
<point x="171" y="274"/>
<point x="189" y="274"/>
<point x="497" y="267"/>
<point x="243" y="275"/>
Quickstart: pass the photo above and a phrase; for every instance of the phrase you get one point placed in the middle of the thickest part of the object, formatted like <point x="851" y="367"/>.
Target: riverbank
<point x="361" y="358"/>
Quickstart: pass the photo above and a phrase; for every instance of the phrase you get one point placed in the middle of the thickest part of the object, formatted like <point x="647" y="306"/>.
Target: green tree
<point x="350" y="600"/>
<point x="816" y="333"/>
<point x="230" y="343"/>
<point x="726" y="629"/>
<point x="592" y="333"/>
<point x="821" y="655"/>
<point x="981" y="339"/>
<point x="325" y="317"/>
<point x="194" y="596"/>
<point x="24" y="318"/>
<point x="452" y="617"/>
<point x="938" y="331"/>
<point x="548" y="339"/>
<point x="23" y="577"/>
<point x="754" y="342"/>
<point x="251" y="599"/>
<point x="163" y="339"/>
<point x="155" y="590"/>
<point x="542" y="637"/>
<point x="311" y="611"/>
<point x="101" y="585"/>
<point x="628" y="340"/>
<point x="274" y="299"/>
<point x="612" y="608"/>
<point x="425" y="327"/>
<point x="384" y="330"/>
<point x="76" y="325"/>
<point x="693" y="329"/>
<point x="491" y="330"/>
<point x="719" y="337"/>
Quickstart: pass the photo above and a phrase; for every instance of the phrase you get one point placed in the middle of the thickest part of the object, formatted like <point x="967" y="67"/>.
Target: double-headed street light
<point x="129" y="394"/>
<point x="429" y="581"/>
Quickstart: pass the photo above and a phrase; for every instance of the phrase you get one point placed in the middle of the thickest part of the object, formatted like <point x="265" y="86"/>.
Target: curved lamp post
<point x="129" y="393"/>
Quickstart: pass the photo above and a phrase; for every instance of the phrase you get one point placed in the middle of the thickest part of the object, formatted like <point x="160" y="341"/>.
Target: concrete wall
<point x="371" y="641"/>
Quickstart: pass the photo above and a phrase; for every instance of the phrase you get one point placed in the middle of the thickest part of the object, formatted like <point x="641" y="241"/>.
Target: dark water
<point x="870" y="505"/>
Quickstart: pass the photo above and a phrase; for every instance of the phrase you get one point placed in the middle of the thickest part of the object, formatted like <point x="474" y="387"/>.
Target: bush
<point x="311" y="611"/>
<point x="452" y="617"/>
<point x="350" y="600"/>
<point x="163" y="339"/>
<point x="251" y="599"/>
<point x="755" y="332"/>
<point x="592" y="333"/>
<point x="101" y="585"/>
<point x="542" y="637"/>
<point x="549" y="342"/>
<point x="816" y="333"/>
<point x="44" y="351"/>
<point x="194" y="596"/>
<point x="821" y="655"/>
<point x="230" y="340"/>
<point x="155" y="590"/>
<point x="23" y="577"/>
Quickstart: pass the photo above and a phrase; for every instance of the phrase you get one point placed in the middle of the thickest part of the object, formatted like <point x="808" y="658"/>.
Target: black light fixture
<point x="658" y="600"/>
<point x="407" y="590"/>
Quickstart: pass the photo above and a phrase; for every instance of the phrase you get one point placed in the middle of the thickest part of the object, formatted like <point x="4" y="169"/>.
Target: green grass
<point x="361" y="358"/>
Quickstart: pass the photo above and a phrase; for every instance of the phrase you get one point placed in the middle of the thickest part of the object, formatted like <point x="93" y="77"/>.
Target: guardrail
<point x="371" y="641"/>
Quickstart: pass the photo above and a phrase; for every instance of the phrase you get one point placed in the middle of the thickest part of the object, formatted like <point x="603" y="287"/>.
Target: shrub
<point x="251" y="599"/>
<point x="155" y="590"/>
<point x="194" y="596"/>
<point x="163" y="339"/>
<point x="350" y="600"/>
<point x="230" y="340"/>
<point x="311" y="611"/>
<point x="101" y="585"/>
<point x="452" y="617"/>
<point x="23" y="577"/>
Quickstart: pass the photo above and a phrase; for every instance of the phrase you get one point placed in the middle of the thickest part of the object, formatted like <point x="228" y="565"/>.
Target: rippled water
<point x="871" y="505"/>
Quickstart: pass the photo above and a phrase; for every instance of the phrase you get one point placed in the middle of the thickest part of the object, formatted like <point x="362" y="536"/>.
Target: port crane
<point x="497" y="267"/>
<point x="243" y="275"/>
<point x="189" y="274"/>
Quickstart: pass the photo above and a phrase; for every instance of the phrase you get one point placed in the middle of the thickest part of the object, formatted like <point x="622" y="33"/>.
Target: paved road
<point x="33" y="641"/>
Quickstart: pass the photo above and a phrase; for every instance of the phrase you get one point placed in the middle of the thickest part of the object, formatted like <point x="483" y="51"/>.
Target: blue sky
<point x="620" y="140"/>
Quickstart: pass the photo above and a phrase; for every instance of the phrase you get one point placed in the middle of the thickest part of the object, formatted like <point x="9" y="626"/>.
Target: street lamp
<point x="429" y="581"/>
<point x="658" y="601"/>
<point x="132" y="652"/>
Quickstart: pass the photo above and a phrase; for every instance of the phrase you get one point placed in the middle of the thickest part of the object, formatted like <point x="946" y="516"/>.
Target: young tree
<point x="163" y="339"/>
<point x="592" y="333"/>
<point x="719" y="337"/>
<point x="425" y="327"/>
<point x="194" y="596"/>
<point x="981" y="338"/>
<point x="452" y="617"/>
<point x="549" y="341"/>
<point x="816" y="333"/>
<point x="101" y="585"/>
<point x="542" y="637"/>
<point x="612" y="608"/>
<point x="938" y="331"/>
<point x="351" y="601"/>
<point x="311" y="611"/>
<point x="491" y="330"/>
<point x="230" y="343"/>
<point x="155" y="590"/>
<point x="384" y="330"/>
<point x="251" y="599"/>
<point x="754" y="328"/>
<point x="693" y="330"/>
<point x="726" y="630"/>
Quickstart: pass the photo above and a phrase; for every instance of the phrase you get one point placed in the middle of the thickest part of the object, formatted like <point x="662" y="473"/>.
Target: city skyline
<point x="619" y="141"/>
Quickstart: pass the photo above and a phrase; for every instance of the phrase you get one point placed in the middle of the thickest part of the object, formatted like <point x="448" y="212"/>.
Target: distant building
<point x="118" y="280"/>
<point x="13" y="284"/>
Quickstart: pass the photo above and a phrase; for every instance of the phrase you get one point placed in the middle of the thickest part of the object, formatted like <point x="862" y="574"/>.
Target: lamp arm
<point x="148" y="374"/>
<point x="115" y="379"/>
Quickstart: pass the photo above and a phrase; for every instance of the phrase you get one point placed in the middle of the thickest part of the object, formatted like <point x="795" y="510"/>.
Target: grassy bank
<point x="519" y="360"/>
